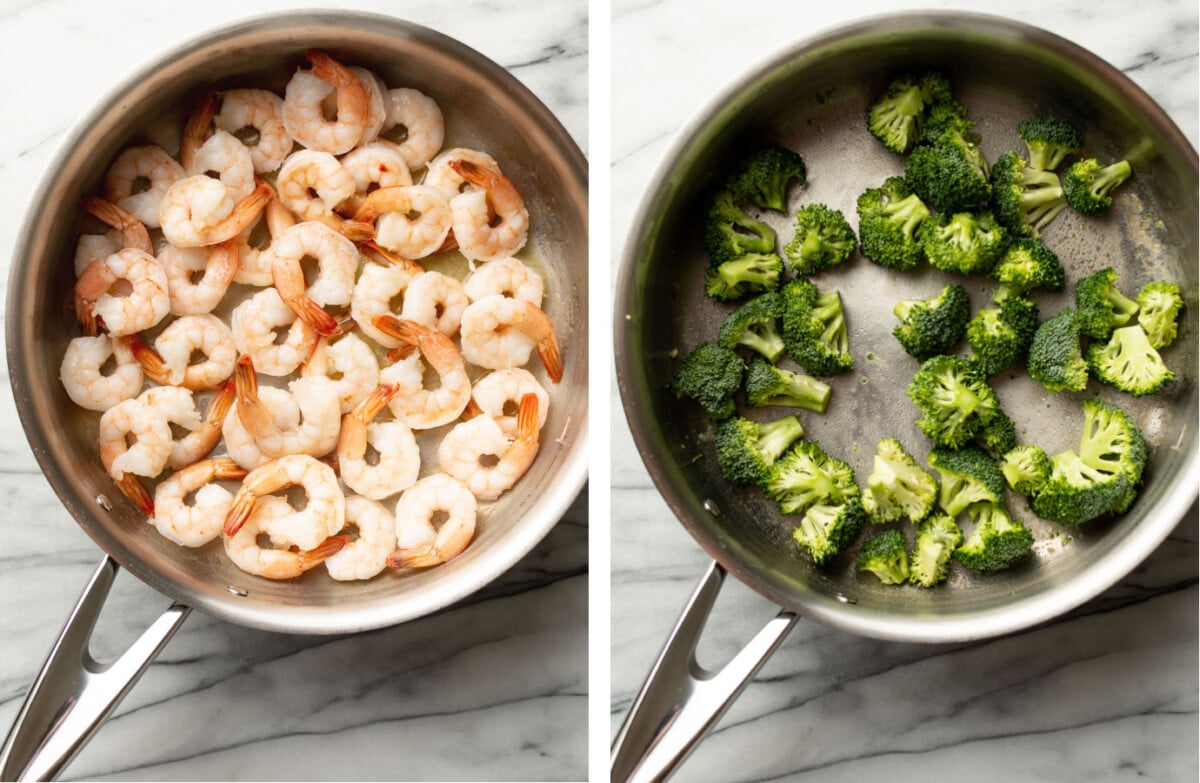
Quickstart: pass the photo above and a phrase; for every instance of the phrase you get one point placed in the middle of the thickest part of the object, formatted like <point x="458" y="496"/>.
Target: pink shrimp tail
<point x="132" y="488"/>
<point x="322" y="551"/>
<point x="311" y="313"/>
<point x="551" y="357"/>
<point x="239" y="512"/>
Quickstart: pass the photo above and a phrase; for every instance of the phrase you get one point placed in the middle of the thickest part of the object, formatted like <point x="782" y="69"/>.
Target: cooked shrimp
<point x="499" y="332"/>
<point x="171" y="361"/>
<point x="143" y="307"/>
<point x="441" y="174"/>
<point x="94" y="246"/>
<point x="375" y="294"/>
<point x="420" y="407"/>
<point x="373" y="166"/>
<point x="326" y="506"/>
<point x="83" y="377"/>
<point x="337" y="259"/>
<point x="312" y="183"/>
<point x="436" y="301"/>
<point x="244" y="550"/>
<point x="304" y="117"/>
<point x="178" y="406"/>
<point x="366" y="556"/>
<point x="498" y="395"/>
<point x="320" y="415"/>
<point x="466" y="449"/>
<point x="139" y="178"/>
<point x="241" y="444"/>
<point x="419" y="544"/>
<point x="376" y="104"/>
<point x="399" y="457"/>
<point x="254" y="322"/>
<point x="507" y="277"/>
<point x="413" y="221"/>
<point x="129" y="228"/>
<point x="197" y="523"/>
<point x="230" y="160"/>
<point x="256" y="117"/>
<point x="199" y="211"/>
<point x="196" y="131"/>
<point x="420" y="125"/>
<point x="218" y="265"/>
<point x="146" y="456"/>
<point x="491" y="222"/>
<point x="254" y="265"/>
<point x="349" y="363"/>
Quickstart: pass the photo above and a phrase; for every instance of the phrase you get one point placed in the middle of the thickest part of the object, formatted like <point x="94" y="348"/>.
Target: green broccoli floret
<point x="936" y="539"/>
<point x="823" y="239"/>
<point x="746" y="449"/>
<point x="1076" y="493"/>
<point x="827" y="529"/>
<point x="952" y="396"/>
<point x="1000" y="336"/>
<point x="888" y="219"/>
<point x="997" y="541"/>
<point x="969" y="476"/>
<point x="1055" y="359"/>
<point x="1087" y="185"/>
<point x="1159" y="303"/>
<point x="730" y="233"/>
<point x="1129" y="362"/>
<point x="950" y="175"/>
<point x="967" y="243"/>
<point x="814" y="329"/>
<point x="764" y="177"/>
<point x="805" y="476"/>
<point x="1026" y="469"/>
<point x="1026" y="200"/>
<point x="710" y="375"/>
<point x="943" y="116"/>
<point x="767" y="384"/>
<point x="753" y="273"/>
<point x="1049" y="140"/>
<point x="933" y="326"/>
<point x="895" y="117"/>
<point x="754" y="325"/>
<point x="897" y="486"/>
<point x="1027" y="264"/>
<point x="1112" y="441"/>
<point x="999" y="433"/>
<point x="884" y="555"/>
<point x="1101" y="306"/>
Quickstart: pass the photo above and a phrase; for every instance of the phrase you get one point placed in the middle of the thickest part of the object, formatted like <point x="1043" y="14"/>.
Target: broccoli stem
<point x="1110" y="177"/>
<point x="774" y="437"/>
<point x="806" y="392"/>
<point x="746" y="270"/>
<point x="910" y="210"/>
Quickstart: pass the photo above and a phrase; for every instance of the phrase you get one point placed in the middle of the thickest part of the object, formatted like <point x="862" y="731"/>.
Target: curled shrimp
<point x="377" y="288"/>
<point x="304" y="117"/>
<point x="143" y="307"/>
<point x="217" y="266"/>
<point x="436" y="301"/>
<point x="477" y="452"/>
<point x="254" y="263"/>
<point x="419" y="544"/>
<point x="367" y="555"/>
<point x="417" y="117"/>
<point x="376" y="104"/>
<point x="498" y="332"/>
<point x="337" y="259"/>
<point x="374" y="165"/>
<point x="178" y="407"/>
<point x="130" y="230"/>
<point x="241" y="444"/>
<point x="199" y="211"/>
<point x="413" y="221"/>
<point x="146" y="456"/>
<point x="171" y="361"/>
<point x="399" y="458"/>
<point x="215" y="153"/>
<point x="498" y="395"/>
<point x="139" y="178"/>
<point x="246" y="553"/>
<point x="312" y="183"/>
<point x="254" y="322"/>
<point x="490" y="222"/>
<point x="420" y="407"/>
<point x="257" y="117"/>
<point x="320" y="415"/>
<point x="197" y="523"/>
<point x="441" y="174"/>
<point x="506" y="277"/>
<point x="349" y="363"/>
<point x="326" y="506"/>
<point x="83" y="377"/>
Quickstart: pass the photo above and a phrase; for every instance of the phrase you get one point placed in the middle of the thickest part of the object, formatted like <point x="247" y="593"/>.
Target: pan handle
<point x="680" y="702"/>
<point x="74" y="692"/>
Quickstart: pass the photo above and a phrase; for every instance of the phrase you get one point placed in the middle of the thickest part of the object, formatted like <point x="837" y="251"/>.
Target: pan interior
<point x="812" y="100"/>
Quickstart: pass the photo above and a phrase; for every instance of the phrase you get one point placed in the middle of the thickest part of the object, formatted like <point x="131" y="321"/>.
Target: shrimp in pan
<point x="83" y="377"/>
<point x="256" y="118"/>
<point x="146" y="305"/>
<point x="254" y="263"/>
<point x="321" y="417"/>
<point x="170" y="362"/>
<point x="376" y="104"/>
<point x="240" y="444"/>
<point x="420" y="407"/>
<point x="441" y="175"/>
<point x="178" y="407"/>
<point x="376" y="165"/>
<point x="399" y="457"/>
<point x="419" y="119"/>
<point x="325" y="511"/>
<point x="498" y="395"/>
<point x="491" y="221"/>
<point x="197" y="523"/>
<point x="199" y="210"/>
<point x="367" y="555"/>
<point x="304" y="116"/>
<point x="205" y="150"/>
<point x="146" y="456"/>
<point x="244" y="550"/>
<point x="507" y="277"/>
<point x="130" y="229"/>
<point x="217" y="266"/>
<point x="467" y="450"/>
<point x="312" y="184"/>
<point x="349" y="363"/>
<point x="254" y="323"/>
<point x="375" y="291"/>
<point x="499" y="332"/>
<point x="435" y="300"/>
<point x="338" y="261"/>
<point x="139" y="178"/>
<point x="413" y="221"/>
<point x="419" y="544"/>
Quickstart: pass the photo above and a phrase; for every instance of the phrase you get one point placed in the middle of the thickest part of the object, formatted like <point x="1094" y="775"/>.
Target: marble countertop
<point x="1106" y="692"/>
<point x="494" y="687"/>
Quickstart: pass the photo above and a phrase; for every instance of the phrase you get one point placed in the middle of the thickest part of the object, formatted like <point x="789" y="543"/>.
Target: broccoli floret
<point x="1129" y="362"/>
<point x="814" y="329"/>
<point x="997" y="541"/>
<point x="823" y="239"/>
<point x="827" y="529"/>
<point x="967" y="243"/>
<point x="754" y="325"/>
<point x="999" y="433"/>
<point x="1101" y="306"/>
<point x="1000" y="336"/>
<point x="947" y="115"/>
<point x="765" y="175"/>
<point x="952" y="397"/>
<point x="805" y="476"/>
<point x="1112" y="442"/>
<point x="1055" y="359"/>
<point x="895" y="117"/>
<point x="884" y="555"/>
<point x="746" y="449"/>
<point x="1026" y="200"/>
<point x="1049" y="140"/>
<point x="933" y="326"/>
<point x="1087" y="185"/>
<point x="936" y="539"/>
<point x="730" y="233"/>
<point x="951" y="174"/>
<point x="767" y="384"/>
<point x="969" y="476"/>
<point x="754" y="273"/>
<point x="1028" y="264"/>
<point x="1026" y="469"/>
<point x="710" y="375"/>
<point x="1076" y="493"/>
<point x="888" y="219"/>
<point x="897" y="486"/>
<point x="1159" y="303"/>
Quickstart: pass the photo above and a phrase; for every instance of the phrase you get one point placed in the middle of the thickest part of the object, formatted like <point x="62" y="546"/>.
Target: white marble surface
<point x="1107" y="692"/>
<point x="493" y="688"/>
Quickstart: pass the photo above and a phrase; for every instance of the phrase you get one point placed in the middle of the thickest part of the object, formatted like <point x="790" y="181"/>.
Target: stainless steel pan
<point x="484" y="107"/>
<point x="812" y="98"/>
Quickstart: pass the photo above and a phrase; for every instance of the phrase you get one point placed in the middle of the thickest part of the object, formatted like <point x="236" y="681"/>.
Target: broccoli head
<point x="969" y="476"/>
<point x="1026" y="200"/>
<point x="997" y="540"/>
<point x="730" y="233"/>
<point x="765" y="175"/>
<point x="966" y="243"/>
<point x="1076" y="493"/>
<point x="951" y="174"/>
<point x="1129" y="362"/>
<point x="1049" y="140"/>
<point x="933" y="326"/>
<point x="895" y="117"/>
<point x="805" y="476"/>
<point x="1000" y="336"/>
<point x="953" y="398"/>
<point x="754" y="325"/>
<point x="1159" y="303"/>
<point x="888" y="219"/>
<point x="814" y="329"/>
<point x="710" y="375"/>
<point x="934" y="544"/>
<point x="767" y="384"/>
<point x="897" y="486"/>
<point x="753" y="273"/>
<point x="1026" y="469"/>
<point x="1101" y="306"/>
<point x="746" y="449"/>
<point x="826" y="529"/>
<point x="1087" y="185"/>
<point x="998" y="431"/>
<point x="943" y="116"/>
<point x="1025" y="265"/>
<point x="823" y="239"/>
<point x="1055" y="359"/>
<point x="884" y="555"/>
<point x="1112" y="441"/>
